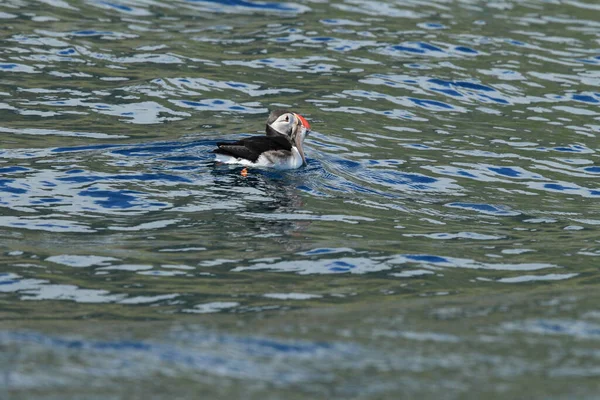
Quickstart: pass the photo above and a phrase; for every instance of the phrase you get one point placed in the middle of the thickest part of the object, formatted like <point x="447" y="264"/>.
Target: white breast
<point x="292" y="161"/>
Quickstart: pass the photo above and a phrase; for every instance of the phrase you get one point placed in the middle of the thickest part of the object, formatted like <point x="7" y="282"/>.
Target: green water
<point x="442" y="241"/>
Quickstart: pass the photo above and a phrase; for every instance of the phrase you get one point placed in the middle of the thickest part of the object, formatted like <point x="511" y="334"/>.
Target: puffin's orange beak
<point x="303" y="121"/>
<point x="300" y="137"/>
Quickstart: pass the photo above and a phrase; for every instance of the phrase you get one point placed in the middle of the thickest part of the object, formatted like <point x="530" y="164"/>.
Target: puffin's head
<point x="291" y="125"/>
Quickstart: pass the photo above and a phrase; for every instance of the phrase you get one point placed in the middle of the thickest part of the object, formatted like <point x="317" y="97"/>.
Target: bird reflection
<point x="271" y="192"/>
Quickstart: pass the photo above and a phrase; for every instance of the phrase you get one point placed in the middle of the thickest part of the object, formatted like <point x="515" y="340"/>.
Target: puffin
<point x="281" y="148"/>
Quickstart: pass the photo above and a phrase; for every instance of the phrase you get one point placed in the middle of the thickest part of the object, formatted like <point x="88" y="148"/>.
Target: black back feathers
<point x="251" y="148"/>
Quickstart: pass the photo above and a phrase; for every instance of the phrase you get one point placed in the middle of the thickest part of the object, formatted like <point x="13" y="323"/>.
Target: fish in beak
<point x="301" y="134"/>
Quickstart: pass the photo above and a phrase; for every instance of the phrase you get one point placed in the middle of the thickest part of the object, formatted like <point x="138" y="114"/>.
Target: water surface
<point x="442" y="241"/>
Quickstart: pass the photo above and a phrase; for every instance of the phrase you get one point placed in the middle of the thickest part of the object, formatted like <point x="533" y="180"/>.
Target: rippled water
<point x="442" y="241"/>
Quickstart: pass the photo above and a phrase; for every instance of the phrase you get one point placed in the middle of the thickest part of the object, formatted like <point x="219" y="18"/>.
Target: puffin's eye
<point x="287" y="118"/>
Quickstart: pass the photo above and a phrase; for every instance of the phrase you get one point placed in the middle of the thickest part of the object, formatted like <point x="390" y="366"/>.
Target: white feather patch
<point x="292" y="162"/>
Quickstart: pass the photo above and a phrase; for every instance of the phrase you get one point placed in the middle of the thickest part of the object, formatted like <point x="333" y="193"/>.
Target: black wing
<point x="251" y="148"/>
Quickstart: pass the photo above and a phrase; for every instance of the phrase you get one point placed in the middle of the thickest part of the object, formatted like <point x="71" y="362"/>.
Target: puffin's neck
<point x="272" y="132"/>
